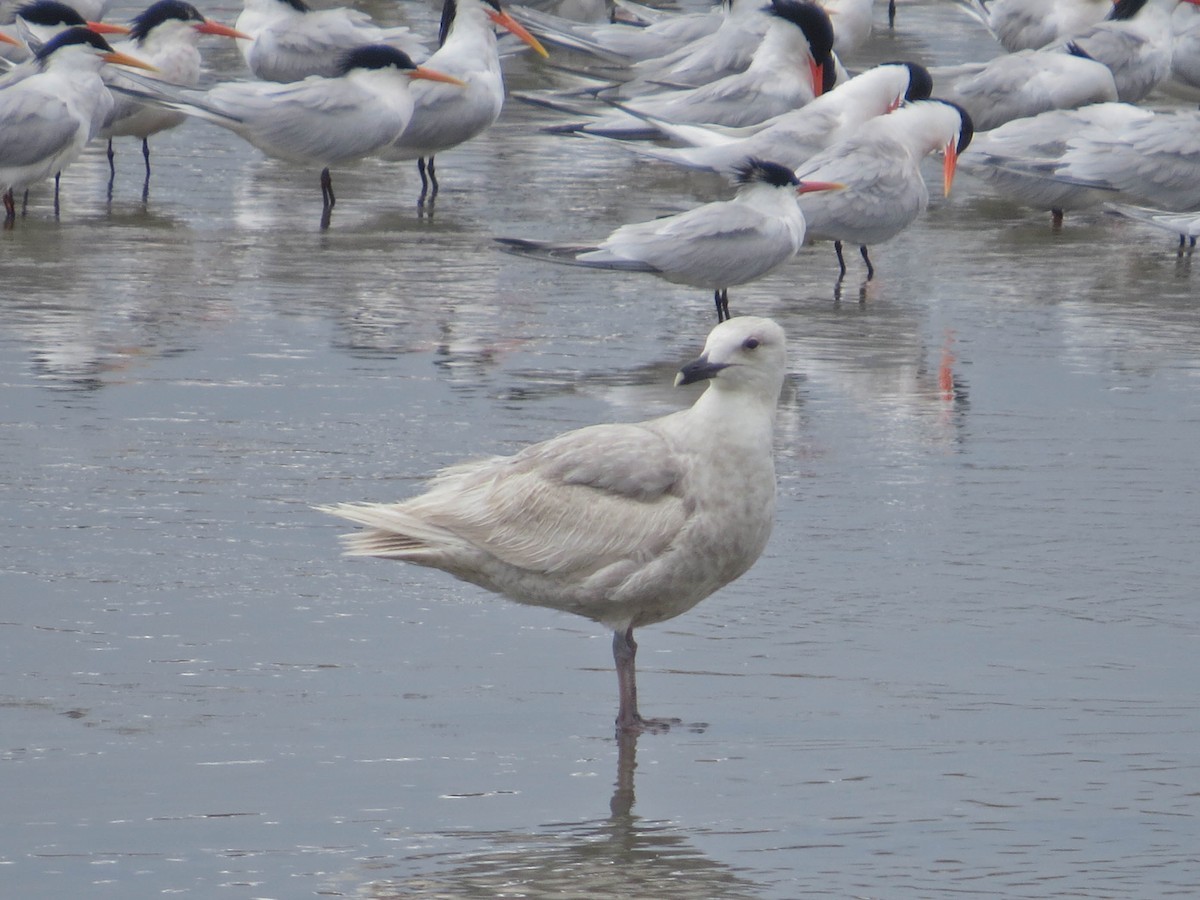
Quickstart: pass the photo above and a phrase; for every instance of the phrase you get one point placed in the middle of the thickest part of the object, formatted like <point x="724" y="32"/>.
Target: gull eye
<point x="750" y="343"/>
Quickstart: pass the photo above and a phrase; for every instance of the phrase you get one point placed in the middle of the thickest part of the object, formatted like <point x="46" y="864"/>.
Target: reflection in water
<point x="620" y="856"/>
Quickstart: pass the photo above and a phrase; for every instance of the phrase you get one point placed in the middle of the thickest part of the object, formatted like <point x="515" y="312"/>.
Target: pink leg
<point x="628" y="718"/>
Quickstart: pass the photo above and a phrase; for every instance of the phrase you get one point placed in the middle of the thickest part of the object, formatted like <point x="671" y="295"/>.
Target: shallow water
<point x="967" y="663"/>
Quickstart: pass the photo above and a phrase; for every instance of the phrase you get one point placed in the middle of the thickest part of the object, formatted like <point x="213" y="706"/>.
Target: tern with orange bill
<point x="714" y="246"/>
<point x="445" y="116"/>
<point x="880" y="167"/>
<point x="318" y="121"/>
<point x="165" y="35"/>
<point x="36" y="22"/>
<point x="793" y="65"/>
<point x="51" y="107"/>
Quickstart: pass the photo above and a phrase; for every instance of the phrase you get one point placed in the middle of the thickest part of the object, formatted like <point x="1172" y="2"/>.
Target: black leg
<point x="146" y="156"/>
<point x="424" y="181"/>
<point x="891" y="13"/>
<point x="10" y="209"/>
<point x="57" y="179"/>
<point x="112" y="169"/>
<point x="867" y="259"/>
<point x="327" y="198"/>
<point x="432" y="181"/>
<point x="837" y="248"/>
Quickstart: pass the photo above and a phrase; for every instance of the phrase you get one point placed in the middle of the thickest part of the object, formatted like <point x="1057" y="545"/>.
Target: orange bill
<point x="817" y="71"/>
<point x="507" y="22"/>
<point x="5" y="39"/>
<point x="949" y="164"/>
<point x="107" y="28"/>
<point x="434" y="75"/>
<point x="811" y="187"/>
<point x="208" y="26"/>
<point x="124" y="59"/>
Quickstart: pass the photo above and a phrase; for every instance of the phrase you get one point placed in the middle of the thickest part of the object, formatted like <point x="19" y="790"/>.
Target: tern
<point x="37" y="22"/>
<point x="51" y="106"/>
<point x="445" y="116"/>
<point x="713" y="246"/>
<point x="625" y="524"/>
<point x="291" y="40"/>
<point x="318" y="121"/>
<point x="1032" y="24"/>
<point x="164" y="35"/>
<point x="793" y="137"/>
<point x="880" y="169"/>
<point x="792" y="65"/>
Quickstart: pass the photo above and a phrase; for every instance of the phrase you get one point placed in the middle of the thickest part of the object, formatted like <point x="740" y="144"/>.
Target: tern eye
<point x="750" y="343"/>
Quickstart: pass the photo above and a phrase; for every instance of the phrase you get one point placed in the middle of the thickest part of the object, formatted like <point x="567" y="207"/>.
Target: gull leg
<point x="629" y="720"/>
<point x="721" y="299"/>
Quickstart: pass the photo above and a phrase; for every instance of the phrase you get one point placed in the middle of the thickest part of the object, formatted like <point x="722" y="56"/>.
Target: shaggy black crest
<point x="375" y="56"/>
<point x="1125" y="9"/>
<point x="810" y="19"/>
<point x="162" y="11"/>
<point x="71" y="37"/>
<point x="755" y="170"/>
<point x="50" y="12"/>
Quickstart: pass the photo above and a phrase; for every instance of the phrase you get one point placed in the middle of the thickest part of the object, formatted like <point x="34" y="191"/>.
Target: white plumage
<point x="624" y="524"/>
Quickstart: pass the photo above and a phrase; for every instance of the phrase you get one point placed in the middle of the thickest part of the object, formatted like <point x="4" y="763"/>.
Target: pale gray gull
<point x="625" y="524"/>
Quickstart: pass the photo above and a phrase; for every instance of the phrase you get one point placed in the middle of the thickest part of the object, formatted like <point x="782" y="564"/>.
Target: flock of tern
<point x="762" y="91"/>
<point x="634" y="524"/>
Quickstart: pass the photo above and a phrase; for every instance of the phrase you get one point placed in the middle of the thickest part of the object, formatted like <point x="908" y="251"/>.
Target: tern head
<point x="52" y="14"/>
<point x="745" y="353"/>
<point x="498" y="17"/>
<point x="381" y="56"/>
<point x="818" y="29"/>
<point x="1123" y="10"/>
<point x="167" y="11"/>
<point x="73" y="39"/>
<point x="761" y="171"/>
<point x="955" y="145"/>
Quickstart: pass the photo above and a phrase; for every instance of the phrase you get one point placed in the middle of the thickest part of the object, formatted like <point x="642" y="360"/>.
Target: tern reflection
<point x="622" y="855"/>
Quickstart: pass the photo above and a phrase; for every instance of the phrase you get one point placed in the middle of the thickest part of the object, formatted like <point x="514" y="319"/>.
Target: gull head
<point x="745" y="353"/>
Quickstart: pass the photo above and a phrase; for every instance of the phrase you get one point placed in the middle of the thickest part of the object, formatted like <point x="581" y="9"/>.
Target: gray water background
<point x="966" y="665"/>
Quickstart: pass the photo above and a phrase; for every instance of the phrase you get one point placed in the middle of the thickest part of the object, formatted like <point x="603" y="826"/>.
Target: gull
<point x="164" y="35"/>
<point x="51" y="106"/>
<point x="793" y="137"/>
<point x="318" y="121"/>
<point x="880" y="169"/>
<point x="445" y="116"/>
<point x="712" y="246"/>
<point x="624" y="524"/>
<point x="289" y="40"/>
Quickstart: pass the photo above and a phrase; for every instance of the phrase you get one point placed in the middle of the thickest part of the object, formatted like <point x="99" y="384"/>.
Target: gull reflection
<point x="622" y="855"/>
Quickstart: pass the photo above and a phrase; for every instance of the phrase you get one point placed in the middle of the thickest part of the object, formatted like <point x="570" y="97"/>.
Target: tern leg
<point x="891" y="13"/>
<point x="10" y="208"/>
<point x="424" y="181"/>
<point x="146" y="155"/>
<point x="721" y="299"/>
<point x="432" y="180"/>
<point x="837" y="248"/>
<point x="1056" y="219"/>
<point x="327" y="198"/>
<point x="112" y="168"/>
<point x="867" y="259"/>
<point x="57" y="179"/>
